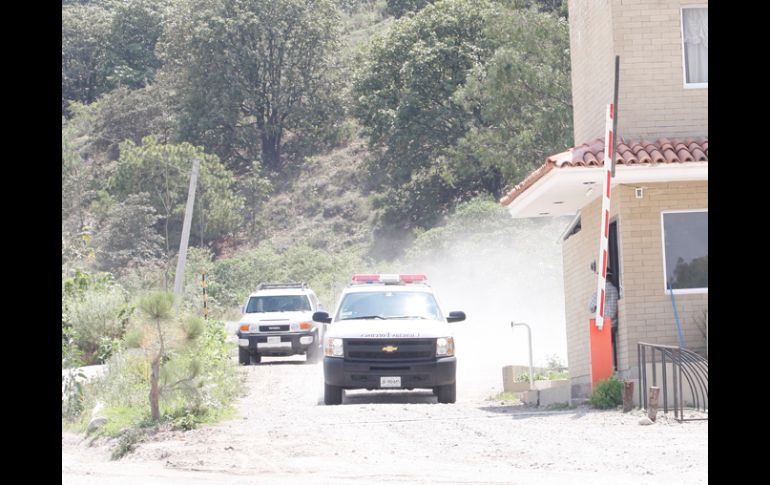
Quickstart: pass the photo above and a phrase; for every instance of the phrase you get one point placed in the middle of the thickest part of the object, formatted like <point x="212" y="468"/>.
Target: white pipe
<point x="529" y="338"/>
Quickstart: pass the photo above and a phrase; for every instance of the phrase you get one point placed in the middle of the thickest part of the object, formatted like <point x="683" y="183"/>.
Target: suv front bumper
<point x="290" y="343"/>
<point x="362" y="375"/>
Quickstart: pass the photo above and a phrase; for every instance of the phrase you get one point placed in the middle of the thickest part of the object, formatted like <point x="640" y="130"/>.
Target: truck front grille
<point x="389" y="350"/>
<point x="273" y="328"/>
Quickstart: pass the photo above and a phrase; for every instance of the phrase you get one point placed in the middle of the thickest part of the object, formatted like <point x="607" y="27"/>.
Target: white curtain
<point x="696" y="44"/>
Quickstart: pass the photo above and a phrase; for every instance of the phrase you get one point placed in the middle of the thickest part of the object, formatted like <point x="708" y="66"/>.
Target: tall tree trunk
<point x="271" y="149"/>
<point x="154" y="391"/>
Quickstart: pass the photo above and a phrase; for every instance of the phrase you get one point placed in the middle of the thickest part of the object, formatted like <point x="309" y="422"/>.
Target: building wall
<point x="645" y="312"/>
<point x="646" y="34"/>
<point x="593" y="66"/>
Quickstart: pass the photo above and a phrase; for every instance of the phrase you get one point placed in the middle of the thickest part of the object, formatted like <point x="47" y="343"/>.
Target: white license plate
<point x="390" y="381"/>
<point x="274" y="340"/>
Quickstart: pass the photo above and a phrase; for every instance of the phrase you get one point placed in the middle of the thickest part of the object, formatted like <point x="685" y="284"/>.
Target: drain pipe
<point x="529" y="337"/>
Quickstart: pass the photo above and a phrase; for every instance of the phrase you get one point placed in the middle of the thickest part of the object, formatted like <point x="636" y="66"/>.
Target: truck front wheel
<point x="447" y="394"/>
<point x="332" y="394"/>
<point x="243" y="356"/>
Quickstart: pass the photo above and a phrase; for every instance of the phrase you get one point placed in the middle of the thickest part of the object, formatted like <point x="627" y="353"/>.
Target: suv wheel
<point x="447" y="394"/>
<point x="256" y="358"/>
<point x="243" y="356"/>
<point x="313" y="354"/>
<point x="332" y="395"/>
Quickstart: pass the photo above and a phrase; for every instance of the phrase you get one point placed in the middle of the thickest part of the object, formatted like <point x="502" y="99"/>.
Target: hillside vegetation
<point x="334" y="136"/>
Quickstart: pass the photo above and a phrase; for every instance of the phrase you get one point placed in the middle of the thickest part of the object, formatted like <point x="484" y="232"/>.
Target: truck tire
<point x="332" y="395"/>
<point x="243" y="356"/>
<point x="447" y="394"/>
<point x="256" y="358"/>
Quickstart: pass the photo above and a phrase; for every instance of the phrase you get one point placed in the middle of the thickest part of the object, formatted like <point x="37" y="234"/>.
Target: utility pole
<point x="188" y="211"/>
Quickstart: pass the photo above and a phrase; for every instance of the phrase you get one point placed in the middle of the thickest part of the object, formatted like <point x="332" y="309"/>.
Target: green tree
<point x="131" y="114"/>
<point x="250" y="71"/>
<point x="84" y="53"/>
<point x="557" y="7"/>
<point x="255" y="190"/>
<point x="399" y="8"/>
<point x="128" y="237"/>
<point x="522" y="100"/>
<point x="461" y="100"/>
<point x="405" y="99"/>
<point x="135" y="28"/>
<point x="79" y="175"/>
<point x="161" y="336"/>
<point x="163" y="171"/>
<point x="404" y="88"/>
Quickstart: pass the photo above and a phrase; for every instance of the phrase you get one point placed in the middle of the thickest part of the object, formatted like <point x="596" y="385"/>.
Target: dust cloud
<point x="497" y="275"/>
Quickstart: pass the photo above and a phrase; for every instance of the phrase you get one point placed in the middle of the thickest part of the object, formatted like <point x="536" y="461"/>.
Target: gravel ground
<point x="285" y="435"/>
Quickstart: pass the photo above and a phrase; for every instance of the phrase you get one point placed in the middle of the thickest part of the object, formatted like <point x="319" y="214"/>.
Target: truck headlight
<point x="445" y="346"/>
<point x="297" y="326"/>
<point x="333" y="347"/>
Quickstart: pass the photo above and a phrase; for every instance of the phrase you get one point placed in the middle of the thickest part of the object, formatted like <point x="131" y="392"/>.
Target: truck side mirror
<point x="322" y="317"/>
<point x="455" y="317"/>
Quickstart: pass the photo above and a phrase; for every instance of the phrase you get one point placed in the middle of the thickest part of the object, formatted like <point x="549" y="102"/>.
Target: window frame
<point x="678" y="291"/>
<point x="684" y="63"/>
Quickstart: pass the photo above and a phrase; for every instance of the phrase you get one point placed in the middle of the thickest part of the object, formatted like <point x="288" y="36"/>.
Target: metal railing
<point x="688" y="368"/>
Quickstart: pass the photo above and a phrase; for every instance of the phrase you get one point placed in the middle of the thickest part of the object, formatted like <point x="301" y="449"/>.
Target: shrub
<point x="608" y="394"/>
<point x="208" y="378"/>
<point x="94" y="315"/>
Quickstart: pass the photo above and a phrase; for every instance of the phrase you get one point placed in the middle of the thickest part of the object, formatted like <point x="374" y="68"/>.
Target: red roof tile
<point x="640" y="152"/>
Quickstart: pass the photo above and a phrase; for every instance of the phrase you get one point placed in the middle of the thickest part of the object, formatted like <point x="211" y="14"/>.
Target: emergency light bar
<point x="389" y="278"/>
<point x="273" y="286"/>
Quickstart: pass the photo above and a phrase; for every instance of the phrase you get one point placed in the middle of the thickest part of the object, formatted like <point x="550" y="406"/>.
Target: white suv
<point x="389" y="333"/>
<point x="277" y="320"/>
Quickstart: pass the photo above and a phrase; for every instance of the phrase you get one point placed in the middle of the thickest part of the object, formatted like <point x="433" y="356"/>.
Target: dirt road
<point x="285" y="435"/>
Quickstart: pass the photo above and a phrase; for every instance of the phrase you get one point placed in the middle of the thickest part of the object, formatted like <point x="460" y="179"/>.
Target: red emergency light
<point x="366" y="278"/>
<point x="411" y="278"/>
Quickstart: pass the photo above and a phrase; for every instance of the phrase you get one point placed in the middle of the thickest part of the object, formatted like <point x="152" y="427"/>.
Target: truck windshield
<point x="278" y="303"/>
<point x="389" y="305"/>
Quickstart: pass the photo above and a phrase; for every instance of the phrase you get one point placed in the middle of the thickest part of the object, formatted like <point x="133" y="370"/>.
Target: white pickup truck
<point x="389" y="332"/>
<point x="277" y="320"/>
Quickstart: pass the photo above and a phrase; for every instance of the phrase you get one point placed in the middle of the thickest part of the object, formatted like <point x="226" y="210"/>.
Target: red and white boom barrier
<point x="601" y="282"/>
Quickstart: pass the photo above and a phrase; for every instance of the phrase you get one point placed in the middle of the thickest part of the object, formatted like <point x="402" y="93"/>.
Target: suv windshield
<point x="278" y="303"/>
<point x="389" y="304"/>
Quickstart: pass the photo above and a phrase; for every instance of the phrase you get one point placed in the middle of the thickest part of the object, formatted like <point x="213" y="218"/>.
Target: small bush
<point x="127" y="442"/>
<point x="212" y="384"/>
<point x="504" y="396"/>
<point x="524" y="377"/>
<point x="96" y="321"/>
<point x="608" y="394"/>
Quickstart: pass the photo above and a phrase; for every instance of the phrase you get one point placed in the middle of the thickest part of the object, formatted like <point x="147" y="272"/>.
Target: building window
<point x="686" y="251"/>
<point x="695" y="46"/>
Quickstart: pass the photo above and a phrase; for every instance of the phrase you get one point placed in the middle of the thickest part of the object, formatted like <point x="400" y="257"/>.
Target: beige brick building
<point x="659" y="203"/>
<point x="654" y="101"/>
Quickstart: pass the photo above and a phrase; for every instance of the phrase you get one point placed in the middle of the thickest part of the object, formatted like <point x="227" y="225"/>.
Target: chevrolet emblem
<point x="389" y="348"/>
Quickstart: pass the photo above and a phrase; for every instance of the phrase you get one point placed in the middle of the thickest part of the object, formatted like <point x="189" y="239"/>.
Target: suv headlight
<point x="333" y="347"/>
<point x="445" y="346"/>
